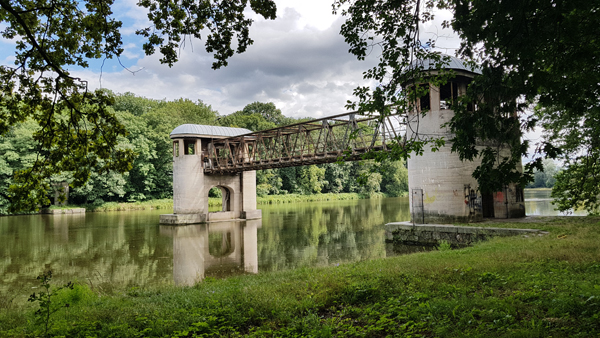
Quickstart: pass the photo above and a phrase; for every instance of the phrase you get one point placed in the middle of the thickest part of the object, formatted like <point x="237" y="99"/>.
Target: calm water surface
<point x="539" y="203"/>
<point x="132" y="249"/>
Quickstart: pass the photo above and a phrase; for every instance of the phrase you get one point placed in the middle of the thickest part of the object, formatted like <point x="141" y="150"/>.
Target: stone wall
<point x="431" y="235"/>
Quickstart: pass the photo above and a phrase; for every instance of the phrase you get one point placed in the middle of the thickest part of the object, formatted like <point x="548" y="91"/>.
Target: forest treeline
<point x="149" y="122"/>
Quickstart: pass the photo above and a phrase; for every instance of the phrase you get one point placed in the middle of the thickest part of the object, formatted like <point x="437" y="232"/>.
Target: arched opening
<point x="224" y="193"/>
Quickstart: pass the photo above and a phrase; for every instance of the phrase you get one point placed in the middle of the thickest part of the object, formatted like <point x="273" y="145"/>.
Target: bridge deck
<point x="343" y="137"/>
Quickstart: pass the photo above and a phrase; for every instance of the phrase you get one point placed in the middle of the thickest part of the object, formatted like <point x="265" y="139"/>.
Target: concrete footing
<point x="431" y="234"/>
<point x="175" y="219"/>
<point x="181" y="219"/>
<point x="252" y="214"/>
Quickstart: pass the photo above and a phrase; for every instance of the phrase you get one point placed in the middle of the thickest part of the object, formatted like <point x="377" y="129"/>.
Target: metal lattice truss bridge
<point x="344" y="137"/>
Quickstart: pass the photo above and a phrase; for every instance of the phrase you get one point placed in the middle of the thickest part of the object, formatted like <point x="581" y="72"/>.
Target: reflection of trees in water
<point x="219" y="244"/>
<point x="96" y="248"/>
<point x="326" y="233"/>
<point x="127" y="248"/>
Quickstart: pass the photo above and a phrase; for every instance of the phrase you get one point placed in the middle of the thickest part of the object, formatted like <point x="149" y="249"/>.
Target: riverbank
<point x="167" y="203"/>
<point x="515" y="286"/>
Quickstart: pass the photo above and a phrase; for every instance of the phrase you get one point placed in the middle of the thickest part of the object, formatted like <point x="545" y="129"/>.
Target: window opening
<point x="425" y="101"/>
<point x="448" y="93"/>
<point x="520" y="196"/>
<point x="189" y="147"/>
<point x="176" y="148"/>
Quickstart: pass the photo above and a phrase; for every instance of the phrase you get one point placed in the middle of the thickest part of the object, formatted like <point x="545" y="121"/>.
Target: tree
<point x="311" y="179"/>
<point x="546" y="178"/>
<point x="539" y="52"/>
<point x="269" y="112"/>
<point x="77" y="130"/>
<point x="254" y="122"/>
<point x="394" y="177"/>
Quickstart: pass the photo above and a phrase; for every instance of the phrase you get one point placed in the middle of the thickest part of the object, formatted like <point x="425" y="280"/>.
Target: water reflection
<point x="213" y="250"/>
<point x="539" y="203"/>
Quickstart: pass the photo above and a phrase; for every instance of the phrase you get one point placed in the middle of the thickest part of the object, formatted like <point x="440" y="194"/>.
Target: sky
<point x="298" y="61"/>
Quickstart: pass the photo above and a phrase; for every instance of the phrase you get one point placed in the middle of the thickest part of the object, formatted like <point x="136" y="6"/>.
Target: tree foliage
<point x="536" y="52"/>
<point x="543" y="53"/>
<point x="78" y="132"/>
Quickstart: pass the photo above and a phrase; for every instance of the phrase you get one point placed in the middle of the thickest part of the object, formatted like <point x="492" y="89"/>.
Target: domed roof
<point x="199" y="130"/>
<point x="454" y="63"/>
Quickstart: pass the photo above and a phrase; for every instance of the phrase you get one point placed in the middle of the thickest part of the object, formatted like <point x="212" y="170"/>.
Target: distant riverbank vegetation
<point x="148" y="184"/>
<point x="546" y="286"/>
<point x="213" y="202"/>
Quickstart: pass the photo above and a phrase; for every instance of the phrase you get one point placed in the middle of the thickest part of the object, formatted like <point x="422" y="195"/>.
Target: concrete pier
<point x="192" y="147"/>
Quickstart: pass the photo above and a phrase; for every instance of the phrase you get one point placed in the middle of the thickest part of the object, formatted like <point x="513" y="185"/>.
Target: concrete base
<point x="440" y="218"/>
<point x="220" y="216"/>
<point x="431" y="234"/>
<point x="182" y="218"/>
<point x="174" y="219"/>
<point x="252" y="214"/>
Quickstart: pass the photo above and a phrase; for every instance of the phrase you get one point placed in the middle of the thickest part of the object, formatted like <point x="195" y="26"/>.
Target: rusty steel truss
<point x="343" y="137"/>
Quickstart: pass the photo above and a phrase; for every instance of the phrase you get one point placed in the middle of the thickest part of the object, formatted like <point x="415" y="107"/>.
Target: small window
<point x="189" y="147"/>
<point x="425" y="102"/>
<point x="176" y="149"/>
<point x="448" y="93"/>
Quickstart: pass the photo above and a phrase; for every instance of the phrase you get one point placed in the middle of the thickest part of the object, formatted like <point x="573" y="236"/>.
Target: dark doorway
<point x="487" y="205"/>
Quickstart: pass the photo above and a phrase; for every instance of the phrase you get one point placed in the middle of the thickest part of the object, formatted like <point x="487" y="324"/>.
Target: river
<point x="130" y="248"/>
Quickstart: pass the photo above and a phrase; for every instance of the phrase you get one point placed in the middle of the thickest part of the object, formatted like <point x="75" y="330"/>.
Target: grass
<point x="294" y="198"/>
<point x="167" y="203"/>
<point x="61" y="207"/>
<point x="507" y="287"/>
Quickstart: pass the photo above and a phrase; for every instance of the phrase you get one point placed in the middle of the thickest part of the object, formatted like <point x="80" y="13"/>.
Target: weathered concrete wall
<point x="188" y="183"/>
<point x="508" y="203"/>
<point x="449" y="192"/>
<point x="406" y="233"/>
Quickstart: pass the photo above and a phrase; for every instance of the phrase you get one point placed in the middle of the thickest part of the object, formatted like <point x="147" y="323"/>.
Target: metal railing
<point x="344" y="137"/>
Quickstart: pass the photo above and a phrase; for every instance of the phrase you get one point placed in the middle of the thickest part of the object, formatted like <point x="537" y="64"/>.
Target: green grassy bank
<point x="508" y="287"/>
<point x="167" y="203"/>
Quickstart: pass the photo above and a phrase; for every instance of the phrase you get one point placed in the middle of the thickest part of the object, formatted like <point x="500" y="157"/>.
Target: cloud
<point x="305" y="71"/>
<point x="299" y="61"/>
<point x="131" y="51"/>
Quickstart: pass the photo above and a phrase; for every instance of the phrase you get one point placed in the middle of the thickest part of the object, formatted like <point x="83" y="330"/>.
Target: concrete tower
<point x="441" y="187"/>
<point x="191" y="152"/>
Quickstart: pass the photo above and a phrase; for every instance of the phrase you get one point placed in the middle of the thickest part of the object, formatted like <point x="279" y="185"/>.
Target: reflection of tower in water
<point x="216" y="249"/>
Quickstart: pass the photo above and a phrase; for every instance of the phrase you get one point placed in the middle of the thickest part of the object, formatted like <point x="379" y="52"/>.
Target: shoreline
<point x="167" y="203"/>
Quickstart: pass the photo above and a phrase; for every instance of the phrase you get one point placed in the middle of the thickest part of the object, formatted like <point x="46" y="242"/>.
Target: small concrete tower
<point x="192" y="146"/>
<point x="441" y="186"/>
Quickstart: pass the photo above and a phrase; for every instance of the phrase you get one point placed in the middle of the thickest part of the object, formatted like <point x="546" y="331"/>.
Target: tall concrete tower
<point x="192" y="149"/>
<point x="441" y="187"/>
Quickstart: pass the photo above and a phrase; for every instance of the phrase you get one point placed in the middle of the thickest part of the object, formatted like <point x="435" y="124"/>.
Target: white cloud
<point x="131" y="51"/>
<point x="305" y="71"/>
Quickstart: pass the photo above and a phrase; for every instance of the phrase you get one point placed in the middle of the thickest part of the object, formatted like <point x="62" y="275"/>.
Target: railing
<point x="344" y="137"/>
